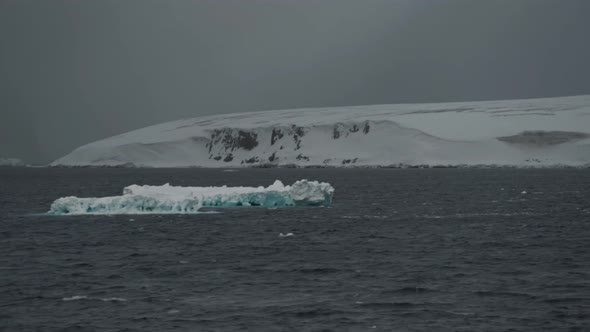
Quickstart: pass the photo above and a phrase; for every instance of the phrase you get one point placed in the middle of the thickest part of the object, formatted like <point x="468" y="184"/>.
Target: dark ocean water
<point x="400" y="250"/>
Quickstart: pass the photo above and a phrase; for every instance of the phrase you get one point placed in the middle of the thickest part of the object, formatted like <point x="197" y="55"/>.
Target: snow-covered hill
<point x="533" y="132"/>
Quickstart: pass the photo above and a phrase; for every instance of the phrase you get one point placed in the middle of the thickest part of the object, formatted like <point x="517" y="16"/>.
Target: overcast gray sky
<point x="72" y="72"/>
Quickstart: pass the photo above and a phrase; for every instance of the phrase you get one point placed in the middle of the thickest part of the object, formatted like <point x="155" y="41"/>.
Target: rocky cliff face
<point x="279" y="145"/>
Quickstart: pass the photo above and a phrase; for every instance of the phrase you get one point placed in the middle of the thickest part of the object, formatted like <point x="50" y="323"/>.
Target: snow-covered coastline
<point x="550" y="132"/>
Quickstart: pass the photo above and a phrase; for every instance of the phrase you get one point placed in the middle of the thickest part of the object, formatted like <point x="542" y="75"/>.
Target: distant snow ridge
<point x="168" y="199"/>
<point x="12" y="162"/>
<point x="534" y="132"/>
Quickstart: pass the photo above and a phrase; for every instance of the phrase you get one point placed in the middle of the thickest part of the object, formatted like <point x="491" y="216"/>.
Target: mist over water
<point x="437" y="249"/>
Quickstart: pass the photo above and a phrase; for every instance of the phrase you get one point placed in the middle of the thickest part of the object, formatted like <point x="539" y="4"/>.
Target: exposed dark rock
<point x="302" y="157"/>
<point x="272" y="157"/>
<point x="216" y="136"/>
<point x="276" y="135"/>
<point x="354" y="128"/>
<point x="299" y="131"/>
<point x="247" y="140"/>
<point x="349" y="161"/>
<point x="221" y="135"/>
<point x="366" y="128"/>
<point x="218" y="158"/>
<point x="335" y="132"/>
<point x="228" y="158"/>
<point x="251" y="160"/>
<point x="232" y="140"/>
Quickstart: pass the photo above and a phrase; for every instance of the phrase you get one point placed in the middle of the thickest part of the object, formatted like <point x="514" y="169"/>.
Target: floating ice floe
<point x="75" y="298"/>
<point x="168" y="199"/>
<point x="84" y="297"/>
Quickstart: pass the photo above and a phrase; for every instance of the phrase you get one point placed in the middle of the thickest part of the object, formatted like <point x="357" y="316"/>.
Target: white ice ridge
<point x="169" y="199"/>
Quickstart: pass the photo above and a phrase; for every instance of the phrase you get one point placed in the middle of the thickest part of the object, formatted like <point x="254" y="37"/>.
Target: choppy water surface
<point x="400" y="250"/>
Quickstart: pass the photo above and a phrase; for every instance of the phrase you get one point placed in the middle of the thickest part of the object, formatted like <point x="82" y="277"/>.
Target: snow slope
<point x="169" y="199"/>
<point x="533" y="132"/>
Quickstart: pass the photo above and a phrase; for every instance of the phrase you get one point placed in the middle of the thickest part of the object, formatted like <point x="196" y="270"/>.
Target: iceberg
<point x="167" y="199"/>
